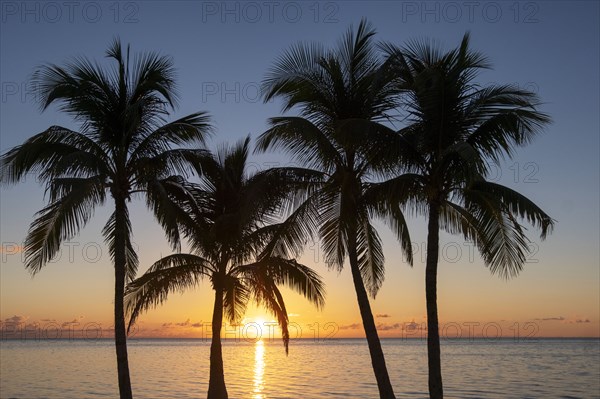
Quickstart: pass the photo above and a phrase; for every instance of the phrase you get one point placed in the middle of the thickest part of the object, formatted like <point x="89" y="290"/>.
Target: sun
<point x="263" y="326"/>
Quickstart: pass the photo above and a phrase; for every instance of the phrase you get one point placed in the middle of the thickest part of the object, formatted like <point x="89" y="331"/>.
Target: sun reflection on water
<point x="259" y="370"/>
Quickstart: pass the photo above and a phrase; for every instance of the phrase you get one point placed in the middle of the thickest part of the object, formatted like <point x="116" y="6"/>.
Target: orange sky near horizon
<point x="472" y="303"/>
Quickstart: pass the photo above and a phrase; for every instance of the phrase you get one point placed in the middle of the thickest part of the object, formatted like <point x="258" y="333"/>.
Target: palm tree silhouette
<point x="123" y="148"/>
<point x="243" y="257"/>
<point x="455" y="128"/>
<point x="339" y="93"/>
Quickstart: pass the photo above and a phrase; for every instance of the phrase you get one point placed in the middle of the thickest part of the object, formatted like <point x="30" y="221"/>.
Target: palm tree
<point x="455" y="128"/>
<point x="123" y="147"/>
<point x="339" y="93"/>
<point x="243" y="257"/>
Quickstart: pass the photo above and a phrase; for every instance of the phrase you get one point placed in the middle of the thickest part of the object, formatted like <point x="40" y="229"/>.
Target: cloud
<point x="575" y="320"/>
<point x="352" y="326"/>
<point x="293" y="315"/>
<point x="69" y="323"/>
<point x="16" y="319"/>
<point x="388" y="327"/>
<point x="187" y="323"/>
<point x="382" y="315"/>
<point x="413" y="326"/>
<point x="75" y="321"/>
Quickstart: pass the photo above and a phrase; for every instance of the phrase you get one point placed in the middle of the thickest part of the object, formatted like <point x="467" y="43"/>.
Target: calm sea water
<point x="544" y="368"/>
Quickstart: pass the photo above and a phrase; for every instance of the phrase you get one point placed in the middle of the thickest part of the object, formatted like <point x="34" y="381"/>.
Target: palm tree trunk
<point x="436" y="390"/>
<point x="216" y="384"/>
<point x="377" y="359"/>
<point x="120" y="331"/>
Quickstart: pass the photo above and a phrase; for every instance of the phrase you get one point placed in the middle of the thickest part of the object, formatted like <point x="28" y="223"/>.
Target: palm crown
<point x="123" y="147"/>
<point x="455" y="129"/>
<point x="339" y="92"/>
<point x="232" y="243"/>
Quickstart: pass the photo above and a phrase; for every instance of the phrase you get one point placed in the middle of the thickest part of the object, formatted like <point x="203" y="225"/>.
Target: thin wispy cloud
<point x="413" y="326"/>
<point x="16" y="319"/>
<point x="74" y="322"/>
<point x="352" y="326"/>
<point x="564" y="320"/>
<point x="184" y="324"/>
<point x="389" y="327"/>
<point x="560" y="318"/>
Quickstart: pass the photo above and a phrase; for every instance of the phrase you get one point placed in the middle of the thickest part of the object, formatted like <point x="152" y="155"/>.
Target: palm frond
<point x="61" y="220"/>
<point x="294" y="74"/>
<point x="235" y="298"/>
<point x="56" y="152"/>
<point x="264" y="291"/>
<point x="173" y="273"/>
<point x="302" y="140"/>
<point x="186" y="162"/>
<point x="357" y="52"/>
<point x="109" y="232"/>
<point x="169" y="200"/>
<point x="152" y="74"/>
<point x="289" y="237"/>
<point x="334" y="229"/>
<point x="81" y="88"/>
<point x="502" y="241"/>
<point x="192" y="129"/>
<point x="269" y="195"/>
<point x="517" y="204"/>
<point x="455" y="219"/>
<point x="371" y="261"/>
<point x="503" y="117"/>
<point x="393" y="216"/>
<point x="262" y="279"/>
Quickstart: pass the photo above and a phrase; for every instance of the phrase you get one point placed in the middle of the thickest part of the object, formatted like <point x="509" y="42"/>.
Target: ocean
<point x="334" y="368"/>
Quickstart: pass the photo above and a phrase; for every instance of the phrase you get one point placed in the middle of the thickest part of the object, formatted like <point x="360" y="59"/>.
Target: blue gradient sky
<point x="222" y="51"/>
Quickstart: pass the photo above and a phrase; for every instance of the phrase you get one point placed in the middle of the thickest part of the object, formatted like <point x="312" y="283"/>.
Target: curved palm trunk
<point x="120" y="330"/>
<point x="377" y="358"/>
<point x="216" y="384"/>
<point x="436" y="390"/>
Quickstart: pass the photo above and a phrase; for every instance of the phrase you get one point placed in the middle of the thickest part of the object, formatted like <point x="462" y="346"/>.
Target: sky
<point x="222" y="51"/>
